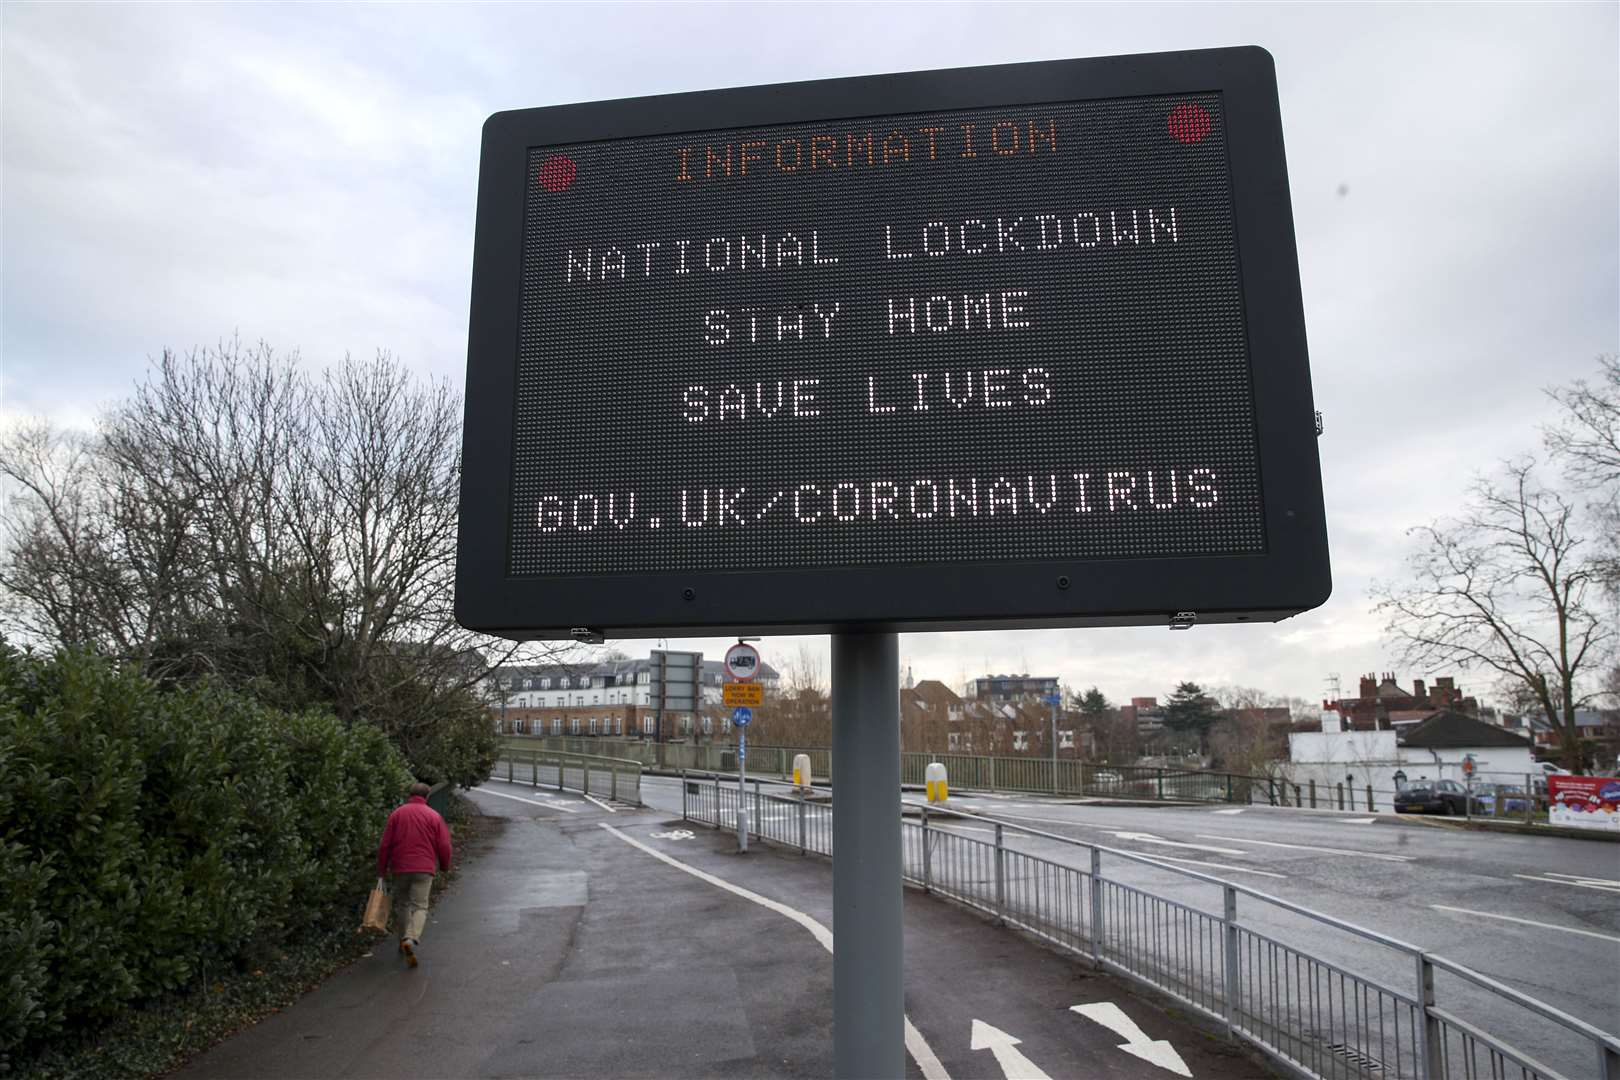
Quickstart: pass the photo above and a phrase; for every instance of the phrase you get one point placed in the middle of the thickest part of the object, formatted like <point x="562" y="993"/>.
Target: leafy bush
<point x="149" y="837"/>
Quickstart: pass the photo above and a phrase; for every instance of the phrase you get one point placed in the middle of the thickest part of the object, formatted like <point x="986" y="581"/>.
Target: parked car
<point x="1545" y="769"/>
<point x="1434" y="797"/>
<point x="1512" y="797"/>
<point x="1106" y="780"/>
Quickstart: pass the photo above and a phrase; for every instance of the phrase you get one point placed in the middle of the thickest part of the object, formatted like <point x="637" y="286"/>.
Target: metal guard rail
<point x="623" y="775"/>
<point x="1316" y="1018"/>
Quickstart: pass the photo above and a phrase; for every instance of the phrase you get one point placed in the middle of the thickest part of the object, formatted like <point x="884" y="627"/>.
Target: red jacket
<point x="415" y="836"/>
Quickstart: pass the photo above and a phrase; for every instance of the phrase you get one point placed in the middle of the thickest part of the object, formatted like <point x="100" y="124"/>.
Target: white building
<point x="611" y="698"/>
<point x="1435" y="749"/>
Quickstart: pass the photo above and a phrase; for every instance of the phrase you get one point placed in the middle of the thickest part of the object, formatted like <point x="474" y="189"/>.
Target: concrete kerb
<point x="1514" y="828"/>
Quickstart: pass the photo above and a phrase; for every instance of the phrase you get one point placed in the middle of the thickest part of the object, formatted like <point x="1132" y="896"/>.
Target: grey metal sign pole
<point x="868" y="990"/>
<point x="1055" y="698"/>
<point x="742" y="790"/>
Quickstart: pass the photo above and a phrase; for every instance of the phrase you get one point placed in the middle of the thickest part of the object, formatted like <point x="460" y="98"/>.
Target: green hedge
<point x="151" y="836"/>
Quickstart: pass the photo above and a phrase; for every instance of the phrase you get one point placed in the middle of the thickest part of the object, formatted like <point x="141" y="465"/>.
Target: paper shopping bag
<point x="377" y="909"/>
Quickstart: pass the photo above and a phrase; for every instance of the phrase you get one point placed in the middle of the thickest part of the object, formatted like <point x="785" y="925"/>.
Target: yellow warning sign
<point x="741" y="693"/>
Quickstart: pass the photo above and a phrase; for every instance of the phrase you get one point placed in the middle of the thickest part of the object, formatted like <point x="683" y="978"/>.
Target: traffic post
<point x="742" y="664"/>
<point x="1054" y="700"/>
<point x="742" y="780"/>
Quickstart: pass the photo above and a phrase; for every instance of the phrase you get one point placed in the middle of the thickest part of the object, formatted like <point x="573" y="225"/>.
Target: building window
<point x="573" y="725"/>
<point x="596" y="699"/>
<point x="556" y="725"/>
<point x="643" y="678"/>
<point x="646" y="725"/>
<point x="593" y="725"/>
<point x="545" y="683"/>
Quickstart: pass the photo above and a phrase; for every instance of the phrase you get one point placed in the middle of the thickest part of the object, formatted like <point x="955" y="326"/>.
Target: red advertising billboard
<point x="1586" y="802"/>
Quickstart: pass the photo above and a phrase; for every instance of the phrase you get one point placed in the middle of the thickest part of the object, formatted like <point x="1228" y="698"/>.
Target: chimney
<point x="1369" y="687"/>
<point x="1417" y="689"/>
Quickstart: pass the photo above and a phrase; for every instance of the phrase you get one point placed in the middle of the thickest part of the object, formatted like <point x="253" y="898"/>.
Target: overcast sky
<point x="305" y="175"/>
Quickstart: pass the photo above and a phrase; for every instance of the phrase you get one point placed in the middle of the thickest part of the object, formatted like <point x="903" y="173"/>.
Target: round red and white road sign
<point x="742" y="662"/>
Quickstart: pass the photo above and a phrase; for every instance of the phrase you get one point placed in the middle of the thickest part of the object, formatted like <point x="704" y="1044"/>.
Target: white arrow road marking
<point x="1239" y="810"/>
<point x="1309" y="847"/>
<point x="1527" y="922"/>
<point x="1149" y="838"/>
<point x="916" y="1045"/>
<point x="1601" y="884"/>
<point x="1014" y="1065"/>
<point x="674" y="834"/>
<point x="1153" y="1051"/>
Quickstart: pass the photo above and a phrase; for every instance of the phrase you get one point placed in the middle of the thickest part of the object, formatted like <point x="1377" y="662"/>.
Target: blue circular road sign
<point x="742" y="716"/>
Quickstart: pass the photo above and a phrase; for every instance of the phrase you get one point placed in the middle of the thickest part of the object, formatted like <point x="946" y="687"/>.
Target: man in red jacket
<point x="415" y="844"/>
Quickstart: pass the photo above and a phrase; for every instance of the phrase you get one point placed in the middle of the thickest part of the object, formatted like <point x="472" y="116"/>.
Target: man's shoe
<point x="402" y="946"/>
<point x="408" y="948"/>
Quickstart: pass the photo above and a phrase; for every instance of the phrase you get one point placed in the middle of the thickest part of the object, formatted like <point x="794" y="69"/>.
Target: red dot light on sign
<point x="557" y="173"/>
<point x="1190" y="123"/>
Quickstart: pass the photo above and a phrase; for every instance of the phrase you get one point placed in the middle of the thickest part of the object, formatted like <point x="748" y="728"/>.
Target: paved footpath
<point x="569" y="948"/>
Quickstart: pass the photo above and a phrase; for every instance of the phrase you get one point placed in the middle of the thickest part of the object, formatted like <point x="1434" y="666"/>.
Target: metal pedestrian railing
<point x="1039" y="775"/>
<point x="1411" y="1014"/>
<point x="606" y="777"/>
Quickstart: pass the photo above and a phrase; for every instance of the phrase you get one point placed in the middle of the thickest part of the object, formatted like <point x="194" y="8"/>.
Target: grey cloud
<point x="306" y="174"/>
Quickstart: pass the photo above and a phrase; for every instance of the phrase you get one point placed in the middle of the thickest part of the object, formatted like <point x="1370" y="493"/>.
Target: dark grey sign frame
<point x="1291" y="576"/>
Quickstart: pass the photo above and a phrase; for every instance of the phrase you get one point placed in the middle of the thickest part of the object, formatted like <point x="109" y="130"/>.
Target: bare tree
<point x="1587" y="436"/>
<point x="1511" y="587"/>
<point x="1586" y="440"/>
<point x="799" y="713"/>
<point x="237" y="516"/>
<point x="1241" y="741"/>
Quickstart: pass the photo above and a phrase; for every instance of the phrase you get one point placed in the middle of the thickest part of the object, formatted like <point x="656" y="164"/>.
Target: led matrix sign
<point x="825" y="338"/>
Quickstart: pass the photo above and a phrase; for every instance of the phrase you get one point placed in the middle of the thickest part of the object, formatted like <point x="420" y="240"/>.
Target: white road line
<point x="552" y="801"/>
<point x="921" y="1052"/>
<point x="1149" y="838"/>
<point x="1311" y="847"/>
<point x="1358" y="820"/>
<point x="1239" y="810"/>
<point x="1200" y="862"/>
<point x="602" y="804"/>
<point x="531" y="802"/>
<point x="1527" y="922"/>
<point x="1052" y="820"/>
<point x="1584" y="877"/>
<point x="1565" y="881"/>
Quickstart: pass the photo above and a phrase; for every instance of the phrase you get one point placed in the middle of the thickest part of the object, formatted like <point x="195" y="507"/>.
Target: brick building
<point x="1382" y="704"/>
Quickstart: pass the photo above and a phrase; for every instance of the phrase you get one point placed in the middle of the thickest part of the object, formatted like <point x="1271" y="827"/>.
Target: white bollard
<point x="935" y="779"/>
<point x="801" y="772"/>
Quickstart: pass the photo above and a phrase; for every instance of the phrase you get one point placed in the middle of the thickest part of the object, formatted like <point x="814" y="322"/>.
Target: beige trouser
<point x="411" y="902"/>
